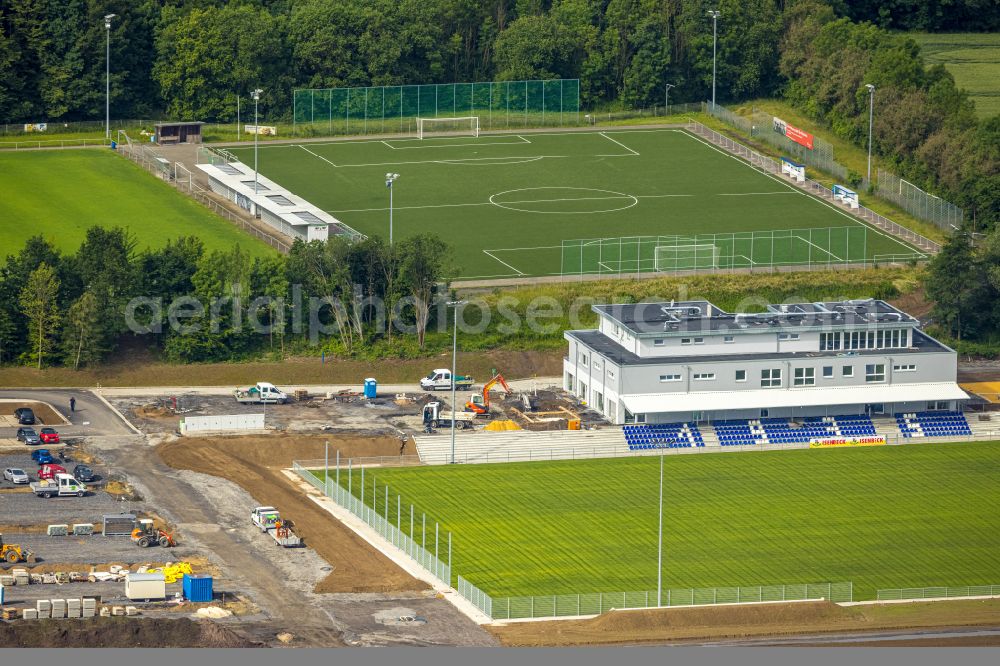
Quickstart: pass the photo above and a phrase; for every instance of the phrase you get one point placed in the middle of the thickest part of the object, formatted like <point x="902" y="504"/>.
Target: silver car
<point x="15" y="475"/>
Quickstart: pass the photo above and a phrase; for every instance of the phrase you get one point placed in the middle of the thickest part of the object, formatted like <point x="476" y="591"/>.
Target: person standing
<point x="72" y="404"/>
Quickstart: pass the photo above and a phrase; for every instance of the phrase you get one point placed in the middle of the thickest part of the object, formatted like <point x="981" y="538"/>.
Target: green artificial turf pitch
<point x="60" y="194"/>
<point x="507" y="202"/>
<point x="880" y="517"/>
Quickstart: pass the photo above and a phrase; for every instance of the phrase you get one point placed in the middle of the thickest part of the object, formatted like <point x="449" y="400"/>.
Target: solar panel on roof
<point x="259" y="186"/>
<point x="308" y="217"/>
<point x="229" y="168"/>
<point x="280" y="199"/>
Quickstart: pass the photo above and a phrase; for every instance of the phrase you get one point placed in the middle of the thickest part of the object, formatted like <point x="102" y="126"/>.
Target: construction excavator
<point x="145" y="535"/>
<point x="13" y="553"/>
<point x="480" y="404"/>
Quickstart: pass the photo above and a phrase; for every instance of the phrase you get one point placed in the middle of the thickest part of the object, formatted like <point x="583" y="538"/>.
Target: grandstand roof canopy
<point x="707" y="401"/>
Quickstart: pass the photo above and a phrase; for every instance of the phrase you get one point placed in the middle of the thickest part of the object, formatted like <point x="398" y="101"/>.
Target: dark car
<point x="28" y="436"/>
<point x="83" y="473"/>
<point x="24" y="416"/>
<point x="42" y="457"/>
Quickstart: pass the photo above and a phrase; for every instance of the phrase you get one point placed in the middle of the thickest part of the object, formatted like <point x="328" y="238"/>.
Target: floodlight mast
<point x="256" y="133"/>
<point x="871" y="115"/>
<point x="390" y="178"/>
<point x="666" y="98"/>
<point x="107" y="76"/>
<point x="715" y="32"/>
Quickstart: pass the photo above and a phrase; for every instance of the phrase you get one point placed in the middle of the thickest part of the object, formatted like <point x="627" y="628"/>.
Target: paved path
<point x="92" y="415"/>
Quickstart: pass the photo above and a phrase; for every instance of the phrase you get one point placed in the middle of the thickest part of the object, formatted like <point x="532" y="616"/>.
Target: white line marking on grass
<point x="496" y="161"/>
<point x="490" y="255"/>
<point x="619" y="143"/>
<point x="748" y="194"/>
<point x="512" y="160"/>
<point x="372" y="210"/>
<point x="751" y="261"/>
<point x="460" y="145"/>
<point x="388" y="145"/>
<point x="315" y="155"/>
<point x="818" y="247"/>
<point x="859" y="222"/>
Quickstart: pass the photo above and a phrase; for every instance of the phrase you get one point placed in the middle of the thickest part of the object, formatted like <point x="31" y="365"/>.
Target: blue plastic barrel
<point x="197" y="587"/>
<point x="370" y="386"/>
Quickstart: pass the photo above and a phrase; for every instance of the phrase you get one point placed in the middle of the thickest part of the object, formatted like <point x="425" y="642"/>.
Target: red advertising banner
<point x="800" y="137"/>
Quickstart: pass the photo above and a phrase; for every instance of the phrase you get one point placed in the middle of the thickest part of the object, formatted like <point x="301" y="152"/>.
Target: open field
<point x="506" y="203"/>
<point x="973" y="59"/>
<point x="884" y="517"/>
<point x="61" y="194"/>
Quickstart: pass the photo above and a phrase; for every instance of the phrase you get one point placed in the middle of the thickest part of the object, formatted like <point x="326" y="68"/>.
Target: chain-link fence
<point x="395" y="109"/>
<point x="595" y="603"/>
<point x="914" y="593"/>
<point x="922" y="205"/>
<point x="74" y="127"/>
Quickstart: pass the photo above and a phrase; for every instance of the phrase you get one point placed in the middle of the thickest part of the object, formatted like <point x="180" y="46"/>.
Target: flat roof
<point x="679" y="317"/>
<point x="179" y="122"/>
<point x="610" y="349"/>
<point x="705" y="401"/>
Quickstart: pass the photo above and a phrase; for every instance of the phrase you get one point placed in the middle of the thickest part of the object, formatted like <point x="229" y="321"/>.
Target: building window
<point x="902" y="338"/>
<point x="611" y="373"/>
<point x="770" y="377"/>
<point x="829" y="341"/>
<point x="741" y="375"/>
<point x="827" y="371"/>
<point x="634" y="418"/>
<point x="597" y="365"/>
<point x="937" y="406"/>
<point x="583" y="359"/>
<point x="670" y="378"/>
<point x="847" y="370"/>
<point x="703" y="376"/>
<point x="875" y="372"/>
<point x="788" y="336"/>
<point x="805" y="376"/>
<point x="729" y="339"/>
<point x="685" y="341"/>
<point x="699" y="341"/>
<point x="599" y="401"/>
<point x="569" y="382"/>
<point x="764" y="413"/>
<point x="617" y="329"/>
<point x="659" y="342"/>
<point x="584" y="396"/>
<point x="908" y="367"/>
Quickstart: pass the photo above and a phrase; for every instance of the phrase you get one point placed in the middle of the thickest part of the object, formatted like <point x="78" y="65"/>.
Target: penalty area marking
<point x="455" y="145"/>
<point x="491" y="256"/>
<point x="820" y="248"/>
<point x="619" y="143"/>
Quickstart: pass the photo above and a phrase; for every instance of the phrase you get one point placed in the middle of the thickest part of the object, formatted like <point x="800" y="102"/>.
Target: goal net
<point x="685" y="257"/>
<point x="461" y="126"/>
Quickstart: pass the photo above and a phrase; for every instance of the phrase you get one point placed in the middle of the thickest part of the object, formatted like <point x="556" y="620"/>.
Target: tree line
<point x="195" y="305"/>
<point x="964" y="284"/>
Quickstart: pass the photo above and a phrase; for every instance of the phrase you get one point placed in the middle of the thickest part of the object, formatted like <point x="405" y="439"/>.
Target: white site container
<point x="146" y="586"/>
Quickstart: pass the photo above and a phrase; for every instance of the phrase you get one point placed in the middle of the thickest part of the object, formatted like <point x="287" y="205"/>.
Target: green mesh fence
<point x="394" y="109"/>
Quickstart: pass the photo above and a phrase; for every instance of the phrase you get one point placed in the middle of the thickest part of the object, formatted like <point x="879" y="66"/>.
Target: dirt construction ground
<point x="255" y="464"/>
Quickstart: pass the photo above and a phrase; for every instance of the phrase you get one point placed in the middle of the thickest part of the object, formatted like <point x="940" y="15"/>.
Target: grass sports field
<point x="973" y="59"/>
<point x="60" y="194"/>
<point x="901" y="516"/>
<point x="514" y="205"/>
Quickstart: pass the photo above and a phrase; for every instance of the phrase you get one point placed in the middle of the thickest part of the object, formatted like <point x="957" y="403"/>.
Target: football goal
<point x="461" y="126"/>
<point x="685" y="257"/>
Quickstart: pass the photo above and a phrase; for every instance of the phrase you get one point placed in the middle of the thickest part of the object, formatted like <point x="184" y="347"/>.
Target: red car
<point x="49" y="471"/>
<point x="48" y="436"/>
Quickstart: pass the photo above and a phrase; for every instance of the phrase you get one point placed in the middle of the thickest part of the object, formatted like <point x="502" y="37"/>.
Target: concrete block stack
<point x="83" y="529"/>
<point x="89" y="607"/>
<point x="105" y="611"/>
<point x="58" y="530"/>
<point x="117" y="610"/>
<point x="30" y="614"/>
<point x="58" y="609"/>
<point x="21" y="576"/>
<point x="7" y="581"/>
<point x="44" y="608"/>
<point x="73" y="608"/>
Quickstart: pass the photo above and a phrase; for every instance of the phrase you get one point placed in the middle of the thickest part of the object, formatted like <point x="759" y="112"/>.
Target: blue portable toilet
<point x="114" y="145"/>
<point x="197" y="587"/>
<point x="370" y="387"/>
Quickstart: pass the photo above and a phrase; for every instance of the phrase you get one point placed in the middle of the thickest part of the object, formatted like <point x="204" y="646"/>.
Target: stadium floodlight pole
<point x="659" y="543"/>
<point x="390" y="178"/>
<point x="666" y="98"/>
<point x="454" y="357"/>
<point x="871" y="115"/>
<point x="715" y="32"/>
<point x="107" y="77"/>
<point x="256" y="133"/>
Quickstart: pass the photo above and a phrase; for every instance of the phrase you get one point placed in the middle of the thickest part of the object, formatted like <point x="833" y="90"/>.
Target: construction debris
<point x="502" y="426"/>
<point x="213" y="612"/>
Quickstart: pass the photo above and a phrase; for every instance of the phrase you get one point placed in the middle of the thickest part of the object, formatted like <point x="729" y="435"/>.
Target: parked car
<point x="48" y="435"/>
<point x="50" y="470"/>
<point x="28" y="436"/>
<point x="15" y="475"/>
<point x="42" y="457"/>
<point x="24" y="416"/>
<point x="83" y="473"/>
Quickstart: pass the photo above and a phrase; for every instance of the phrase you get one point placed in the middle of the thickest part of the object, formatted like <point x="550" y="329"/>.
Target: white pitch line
<point x="315" y="155"/>
<point x="459" y="145"/>
<point x="817" y="247"/>
<point x="373" y="210"/>
<point x="748" y="194"/>
<point x="489" y="254"/>
<point x="619" y="143"/>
